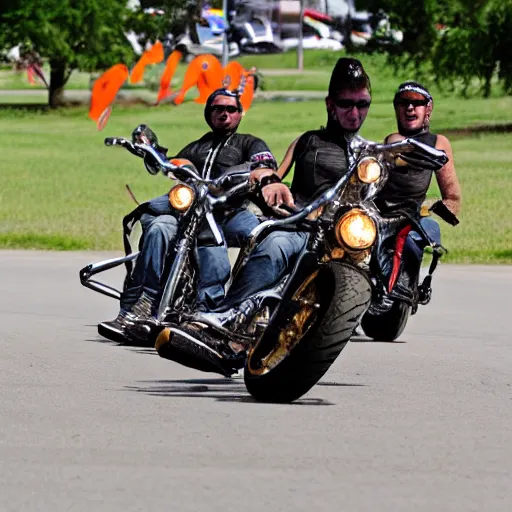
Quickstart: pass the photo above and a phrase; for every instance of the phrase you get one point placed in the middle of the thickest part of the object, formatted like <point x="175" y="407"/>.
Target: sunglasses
<point x="230" y="109"/>
<point x="350" y="104"/>
<point x="405" y="102"/>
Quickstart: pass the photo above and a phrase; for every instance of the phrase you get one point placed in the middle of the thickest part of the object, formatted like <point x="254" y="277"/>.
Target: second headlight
<point x="355" y="230"/>
<point x="181" y="197"/>
<point x="369" y="170"/>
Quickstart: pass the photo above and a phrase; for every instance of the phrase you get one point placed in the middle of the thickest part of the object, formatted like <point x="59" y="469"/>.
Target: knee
<point x="279" y="248"/>
<point x="163" y="226"/>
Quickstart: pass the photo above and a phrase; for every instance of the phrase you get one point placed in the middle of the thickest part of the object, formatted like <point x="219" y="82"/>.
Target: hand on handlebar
<point x="276" y="195"/>
<point x="422" y="162"/>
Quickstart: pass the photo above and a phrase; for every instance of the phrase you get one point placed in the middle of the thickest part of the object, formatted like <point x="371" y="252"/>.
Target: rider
<point x="407" y="186"/>
<point x="220" y="148"/>
<point x="321" y="158"/>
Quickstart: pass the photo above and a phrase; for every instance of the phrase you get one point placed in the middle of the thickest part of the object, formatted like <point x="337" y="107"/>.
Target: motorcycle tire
<point x="345" y="296"/>
<point x="389" y="325"/>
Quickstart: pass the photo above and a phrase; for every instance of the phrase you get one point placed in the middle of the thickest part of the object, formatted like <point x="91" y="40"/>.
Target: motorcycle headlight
<point x="356" y="230"/>
<point x="369" y="170"/>
<point x="181" y="197"/>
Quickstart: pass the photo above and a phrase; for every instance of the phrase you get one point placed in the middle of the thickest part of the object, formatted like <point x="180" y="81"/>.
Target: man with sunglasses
<point x="407" y="186"/>
<point x="218" y="149"/>
<point x="321" y="157"/>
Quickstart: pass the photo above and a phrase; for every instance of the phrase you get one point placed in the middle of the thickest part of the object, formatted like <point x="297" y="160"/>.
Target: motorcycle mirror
<point x="143" y="134"/>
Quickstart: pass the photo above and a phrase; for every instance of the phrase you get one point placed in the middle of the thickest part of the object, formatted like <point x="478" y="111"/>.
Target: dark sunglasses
<point x="230" y="109"/>
<point x="360" y="105"/>
<point x="405" y="102"/>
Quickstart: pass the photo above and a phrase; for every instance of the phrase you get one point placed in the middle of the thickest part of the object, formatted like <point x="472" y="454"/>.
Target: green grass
<point x="317" y="65"/>
<point x="60" y="188"/>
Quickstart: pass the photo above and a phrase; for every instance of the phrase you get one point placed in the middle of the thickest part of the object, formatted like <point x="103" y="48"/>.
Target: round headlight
<point x="356" y="230"/>
<point x="181" y="197"/>
<point x="369" y="170"/>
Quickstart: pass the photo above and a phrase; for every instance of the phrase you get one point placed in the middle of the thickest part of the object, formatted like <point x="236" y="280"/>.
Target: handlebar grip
<point x="289" y="209"/>
<point x="115" y="141"/>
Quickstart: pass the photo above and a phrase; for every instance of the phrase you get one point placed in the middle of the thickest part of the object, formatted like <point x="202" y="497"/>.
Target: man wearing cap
<point x="220" y="148"/>
<point x="407" y="190"/>
<point x="321" y="157"/>
<point x="407" y="186"/>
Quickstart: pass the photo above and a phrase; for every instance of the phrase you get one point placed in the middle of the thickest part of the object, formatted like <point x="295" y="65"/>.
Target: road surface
<point x="85" y="425"/>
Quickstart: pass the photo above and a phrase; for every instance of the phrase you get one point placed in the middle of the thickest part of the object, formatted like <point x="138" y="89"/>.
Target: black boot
<point x="117" y="329"/>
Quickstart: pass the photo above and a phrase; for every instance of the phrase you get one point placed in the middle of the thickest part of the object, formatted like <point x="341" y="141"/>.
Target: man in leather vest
<point x="321" y="157"/>
<point x="407" y="186"/>
<point x="220" y="148"/>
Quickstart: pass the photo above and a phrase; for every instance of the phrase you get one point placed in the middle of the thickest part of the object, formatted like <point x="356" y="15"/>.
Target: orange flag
<point x="234" y="72"/>
<point x="205" y="72"/>
<point x="248" y="91"/>
<point x="104" y="92"/>
<point x="154" y="55"/>
<point x="165" y="80"/>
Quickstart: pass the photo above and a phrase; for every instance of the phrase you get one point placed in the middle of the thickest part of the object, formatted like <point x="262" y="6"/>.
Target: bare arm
<point x="286" y="164"/>
<point x="447" y="178"/>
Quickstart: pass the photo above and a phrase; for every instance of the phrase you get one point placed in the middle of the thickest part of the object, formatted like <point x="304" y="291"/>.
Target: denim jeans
<point x="159" y="230"/>
<point x="414" y="244"/>
<point x="278" y="252"/>
<point x="273" y="257"/>
<point x="213" y="261"/>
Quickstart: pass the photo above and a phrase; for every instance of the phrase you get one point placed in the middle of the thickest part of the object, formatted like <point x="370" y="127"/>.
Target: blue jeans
<point x="159" y="230"/>
<point x="267" y="264"/>
<point x="414" y="244"/>
<point x="213" y="261"/>
<point x="278" y="253"/>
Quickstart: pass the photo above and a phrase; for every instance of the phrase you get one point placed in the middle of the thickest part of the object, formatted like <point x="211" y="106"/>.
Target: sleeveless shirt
<point x="406" y="187"/>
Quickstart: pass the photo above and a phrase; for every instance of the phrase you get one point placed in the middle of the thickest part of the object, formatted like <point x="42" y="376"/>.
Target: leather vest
<point x="406" y="187"/>
<point x="320" y="160"/>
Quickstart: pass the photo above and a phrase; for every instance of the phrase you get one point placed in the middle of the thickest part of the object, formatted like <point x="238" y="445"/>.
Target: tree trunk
<point x="58" y="78"/>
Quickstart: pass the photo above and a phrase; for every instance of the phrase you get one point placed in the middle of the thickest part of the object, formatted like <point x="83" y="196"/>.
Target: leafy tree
<point x="458" y="41"/>
<point x="71" y="34"/>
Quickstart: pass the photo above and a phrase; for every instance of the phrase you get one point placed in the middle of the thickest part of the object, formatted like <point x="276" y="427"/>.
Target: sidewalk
<point x="84" y="95"/>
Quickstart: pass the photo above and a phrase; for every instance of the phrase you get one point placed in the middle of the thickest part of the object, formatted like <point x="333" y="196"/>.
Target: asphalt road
<point x="420" y="425"/>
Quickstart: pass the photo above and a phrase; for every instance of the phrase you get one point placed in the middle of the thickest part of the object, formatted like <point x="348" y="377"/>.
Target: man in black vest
<point x="321" y="158"/>
<point x="407" y="186"/>
<point x="221" y="147"/>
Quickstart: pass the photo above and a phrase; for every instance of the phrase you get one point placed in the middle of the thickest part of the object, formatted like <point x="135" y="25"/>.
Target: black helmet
<point x="215" y="94"/>
<point x="348" y="73"/>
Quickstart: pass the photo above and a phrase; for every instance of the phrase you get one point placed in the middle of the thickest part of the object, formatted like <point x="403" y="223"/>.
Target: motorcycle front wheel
<point x="330" y="303"/>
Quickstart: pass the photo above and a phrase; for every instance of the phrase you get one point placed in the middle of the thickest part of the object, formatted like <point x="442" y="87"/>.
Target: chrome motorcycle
<point x="197" y="199"/>
<point x="294" y="331"/>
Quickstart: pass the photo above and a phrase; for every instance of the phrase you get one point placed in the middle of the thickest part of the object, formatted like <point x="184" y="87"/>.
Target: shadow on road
<point x="132" y="346"/>
<point x="364" y="339"/>
<point x="221" y="390"/>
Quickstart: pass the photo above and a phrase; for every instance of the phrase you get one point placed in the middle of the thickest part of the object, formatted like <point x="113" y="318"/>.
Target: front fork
<point x="175" y="273"/>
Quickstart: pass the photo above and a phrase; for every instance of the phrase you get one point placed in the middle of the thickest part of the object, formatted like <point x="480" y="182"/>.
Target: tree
<point x="72" y="34"/>
<point x="458" y="41"/>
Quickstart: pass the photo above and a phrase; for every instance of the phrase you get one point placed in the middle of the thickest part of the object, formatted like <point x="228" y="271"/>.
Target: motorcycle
<point x="196" y="199"/>
<point x="397" y="292"/>
<point x="294" y="331"/>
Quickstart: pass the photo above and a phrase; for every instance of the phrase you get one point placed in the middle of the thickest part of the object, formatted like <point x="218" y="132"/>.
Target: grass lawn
<point x="60" y="188"/>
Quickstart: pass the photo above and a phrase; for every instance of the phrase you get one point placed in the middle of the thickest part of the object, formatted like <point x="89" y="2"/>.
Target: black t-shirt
<point x="320" y="161"/>
<point x="211" y="154"/>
